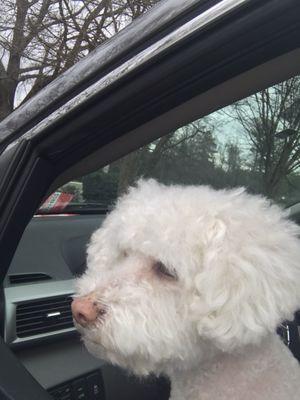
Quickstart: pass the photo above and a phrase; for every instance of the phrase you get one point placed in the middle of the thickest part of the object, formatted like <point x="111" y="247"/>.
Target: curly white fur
<point x="235" y="262"/>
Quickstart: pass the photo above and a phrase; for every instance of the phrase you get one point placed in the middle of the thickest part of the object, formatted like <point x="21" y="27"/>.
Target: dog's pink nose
<point x="84" y="310"/>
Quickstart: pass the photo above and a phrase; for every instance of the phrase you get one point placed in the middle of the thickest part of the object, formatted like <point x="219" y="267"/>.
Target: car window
<point x="254" y="142"/>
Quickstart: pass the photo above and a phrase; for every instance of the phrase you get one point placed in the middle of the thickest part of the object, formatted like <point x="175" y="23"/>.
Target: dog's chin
<point x="139" y="358"/>
<point x="95" y="348"/>
<point x="135" y="365"/>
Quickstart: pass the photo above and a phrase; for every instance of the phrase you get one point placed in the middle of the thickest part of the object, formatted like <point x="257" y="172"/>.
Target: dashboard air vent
<point x="16" y="279"/>
<point x="41" y="316"/>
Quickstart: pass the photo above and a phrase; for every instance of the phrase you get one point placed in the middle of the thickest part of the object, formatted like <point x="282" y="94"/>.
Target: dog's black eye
<point x="161" y="270"/>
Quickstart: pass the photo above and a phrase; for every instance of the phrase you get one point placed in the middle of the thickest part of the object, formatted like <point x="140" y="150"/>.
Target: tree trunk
<point x="7" y="92"/>
<point x="128" y="170"/>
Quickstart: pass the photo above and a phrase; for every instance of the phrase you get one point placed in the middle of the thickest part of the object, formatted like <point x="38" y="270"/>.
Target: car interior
<point x="187" y="115"/>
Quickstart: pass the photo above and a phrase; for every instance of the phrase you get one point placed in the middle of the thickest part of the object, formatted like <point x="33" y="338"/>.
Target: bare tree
<point x="39" y="39"/>
<point x="231" y="162"/>
<point x="193" y="141"/>
<point x="271" y="121"/>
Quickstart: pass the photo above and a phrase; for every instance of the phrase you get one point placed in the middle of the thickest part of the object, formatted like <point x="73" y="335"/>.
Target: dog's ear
<point x="249" y="280"/>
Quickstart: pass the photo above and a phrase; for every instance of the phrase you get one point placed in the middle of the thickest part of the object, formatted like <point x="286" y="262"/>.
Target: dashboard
<point x="38" y="322"/>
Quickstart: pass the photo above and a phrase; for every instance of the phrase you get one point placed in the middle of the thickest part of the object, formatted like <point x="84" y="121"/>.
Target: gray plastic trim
<point x="15" y="295"/>
<point x="59" y="361"/>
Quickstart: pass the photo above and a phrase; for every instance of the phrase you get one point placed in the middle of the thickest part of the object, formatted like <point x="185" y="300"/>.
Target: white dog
<point x="192" y="282"/>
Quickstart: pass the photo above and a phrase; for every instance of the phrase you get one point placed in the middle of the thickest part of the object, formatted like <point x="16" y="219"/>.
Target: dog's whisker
<point x="101" y="303"/>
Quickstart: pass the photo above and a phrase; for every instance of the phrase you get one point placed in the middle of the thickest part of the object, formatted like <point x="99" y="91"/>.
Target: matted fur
<point x="236" y="262"/>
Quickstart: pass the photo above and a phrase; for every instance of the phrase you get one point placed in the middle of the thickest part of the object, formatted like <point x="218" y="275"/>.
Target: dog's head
<point x="177" y="273"/>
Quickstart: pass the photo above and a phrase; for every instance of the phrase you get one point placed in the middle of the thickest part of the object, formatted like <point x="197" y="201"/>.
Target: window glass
<point x="254" y="143"/>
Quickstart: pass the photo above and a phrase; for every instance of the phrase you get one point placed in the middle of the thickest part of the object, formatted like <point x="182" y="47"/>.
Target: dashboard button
<point x="95" y="387"/>
<point x="80" y="389"/>
<point x="55" y="394"/>
<point x="65" y="391"/>
<point x="62" y="393"/>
